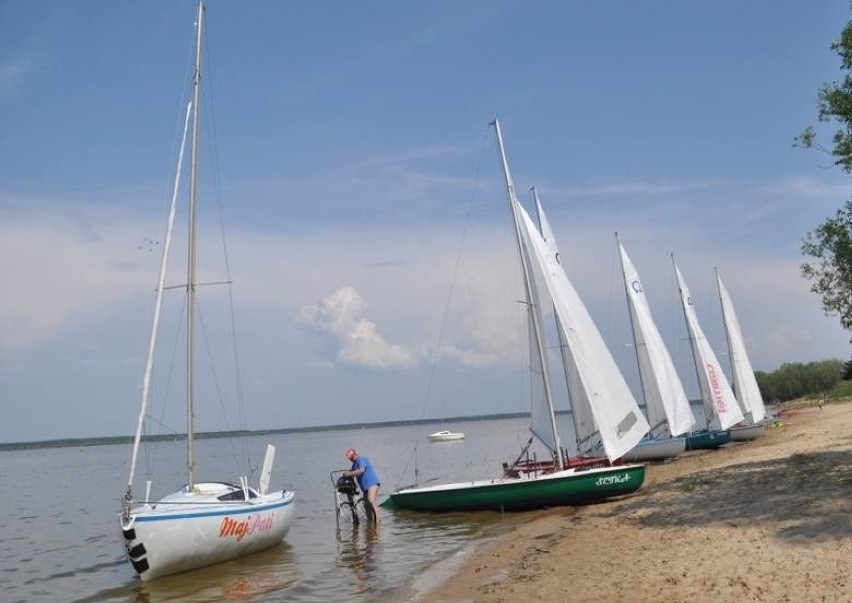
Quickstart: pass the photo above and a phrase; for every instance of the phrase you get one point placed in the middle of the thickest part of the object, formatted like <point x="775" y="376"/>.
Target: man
<point x="362" y="470"/>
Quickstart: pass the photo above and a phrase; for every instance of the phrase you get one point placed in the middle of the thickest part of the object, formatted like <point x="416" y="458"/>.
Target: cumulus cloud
<point x="340" y="315"/>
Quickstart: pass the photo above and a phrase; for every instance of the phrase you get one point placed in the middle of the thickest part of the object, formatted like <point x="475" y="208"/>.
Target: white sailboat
<point x="204" y="522"/>
<point x="620" y="421"/>
<point x="666" y="404"/>
<point x="720" y="406"/>
<point x="745" y="385"/>
<point x="617" y="416"/>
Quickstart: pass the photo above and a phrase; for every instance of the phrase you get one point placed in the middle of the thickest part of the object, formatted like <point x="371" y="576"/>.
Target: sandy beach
<point x="767" y="520"/>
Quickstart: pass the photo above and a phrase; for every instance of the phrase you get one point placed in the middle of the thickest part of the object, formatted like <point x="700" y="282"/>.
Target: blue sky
<point x="356" y="162"/>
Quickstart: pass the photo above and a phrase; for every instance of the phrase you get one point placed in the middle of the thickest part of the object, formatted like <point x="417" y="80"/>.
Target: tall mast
<point x="191" y="255"/>
<point x="530" y="295"/>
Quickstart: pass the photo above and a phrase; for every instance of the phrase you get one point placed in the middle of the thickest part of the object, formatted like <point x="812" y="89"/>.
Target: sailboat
<point x="620" y="430"/>
<point x="745" y="385"/>
<point x="204" y="522"/>
<point x="587" y="448"/>
<point x="666" y="404"/>
<point x="721" y="408"/>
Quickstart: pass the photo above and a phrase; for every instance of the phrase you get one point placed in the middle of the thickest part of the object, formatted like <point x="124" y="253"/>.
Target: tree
<point x="830" y="243"/>
<point x="830" y="274"/>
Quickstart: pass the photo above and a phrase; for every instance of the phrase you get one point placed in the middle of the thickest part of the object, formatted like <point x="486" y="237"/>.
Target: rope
<point x="412" y="457"/>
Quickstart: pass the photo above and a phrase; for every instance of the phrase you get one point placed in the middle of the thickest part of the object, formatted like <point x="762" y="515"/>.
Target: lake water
<point x="61" y="540"/>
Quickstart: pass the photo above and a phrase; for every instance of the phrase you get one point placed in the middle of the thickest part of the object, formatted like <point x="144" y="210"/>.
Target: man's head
<point x="351" y="454"/>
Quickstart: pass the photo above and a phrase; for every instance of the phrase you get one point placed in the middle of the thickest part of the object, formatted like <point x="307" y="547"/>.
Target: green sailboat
<point x="616" y="413"/>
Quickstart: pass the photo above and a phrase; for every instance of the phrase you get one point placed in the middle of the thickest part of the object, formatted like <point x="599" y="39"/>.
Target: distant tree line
<point x="796" y="380"/>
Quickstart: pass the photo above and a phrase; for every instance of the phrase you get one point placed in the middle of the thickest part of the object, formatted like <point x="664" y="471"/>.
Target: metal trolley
<point x="349" y="506"/>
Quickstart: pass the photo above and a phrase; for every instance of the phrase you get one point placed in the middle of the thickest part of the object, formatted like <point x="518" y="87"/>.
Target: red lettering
<point x="241" y="529"/>
<point x="716" y="388"/>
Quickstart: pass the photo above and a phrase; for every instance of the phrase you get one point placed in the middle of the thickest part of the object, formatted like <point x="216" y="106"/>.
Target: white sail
<point x="586" y="439"/>
<point x="745" y="384"/>
<point x="720" y="405"/>
<point x="617" y="415"/>
<point x="666" y="402"/>
<point x="541" y="417"/>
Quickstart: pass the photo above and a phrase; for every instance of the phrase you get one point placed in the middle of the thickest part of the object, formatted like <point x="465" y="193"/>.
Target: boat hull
<point x="744" y="433"/>
<point x="568" y="487"/>
<point x="163" y="539"/>
<point x="446" y="436"/>
<point x="656" y="449"/>
<point x="707" y="440"/>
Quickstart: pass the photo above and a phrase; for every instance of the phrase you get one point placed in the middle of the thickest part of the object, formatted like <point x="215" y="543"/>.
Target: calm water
<point x="61" y="541"/>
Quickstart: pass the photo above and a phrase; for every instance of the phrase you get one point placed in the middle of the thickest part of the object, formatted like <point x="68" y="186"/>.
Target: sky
<point x="374" y="271"/>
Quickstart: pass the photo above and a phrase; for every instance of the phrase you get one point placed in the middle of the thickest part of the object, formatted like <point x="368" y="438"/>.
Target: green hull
<point x="703" y="440"/>
<point x="568" y="487"/>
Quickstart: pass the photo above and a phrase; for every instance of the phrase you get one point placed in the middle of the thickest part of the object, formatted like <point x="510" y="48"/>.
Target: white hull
<point x="446" y="436"/>
<point x="744" y="433"/>
<point x="186" y="531"/>
<point x="656" y="449"/>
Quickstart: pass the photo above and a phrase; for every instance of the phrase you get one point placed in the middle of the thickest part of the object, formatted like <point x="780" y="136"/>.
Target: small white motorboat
<point x="446" y="436"/>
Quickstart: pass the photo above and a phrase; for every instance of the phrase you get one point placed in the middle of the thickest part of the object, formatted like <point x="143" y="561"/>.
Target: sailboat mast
<point x="525" y="267"/>
<point x="191" y="257"/>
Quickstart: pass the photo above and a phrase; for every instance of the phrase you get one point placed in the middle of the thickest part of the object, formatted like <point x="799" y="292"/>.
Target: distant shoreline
<point x="206" y="435"/>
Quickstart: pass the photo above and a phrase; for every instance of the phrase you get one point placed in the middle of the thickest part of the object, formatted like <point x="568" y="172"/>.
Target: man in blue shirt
<point x="368" y="480"/>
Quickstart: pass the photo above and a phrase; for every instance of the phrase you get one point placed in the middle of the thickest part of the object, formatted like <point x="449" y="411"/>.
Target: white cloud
<point x="809" y="188"/>
<point x="359" y="342"/>
<point x="77" y="282"/>
<point x="635" y="188"/>
<point x="59" y="271"/>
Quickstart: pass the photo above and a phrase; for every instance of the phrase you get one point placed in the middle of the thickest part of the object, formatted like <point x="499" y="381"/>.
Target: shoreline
<point x="766" y="520"/>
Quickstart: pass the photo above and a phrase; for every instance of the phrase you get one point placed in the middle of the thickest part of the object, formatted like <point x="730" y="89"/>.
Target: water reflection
<point x="240" y="580"/>
<point x="358" y="550"/>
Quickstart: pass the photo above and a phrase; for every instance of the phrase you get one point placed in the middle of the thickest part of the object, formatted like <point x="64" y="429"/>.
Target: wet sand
<point x="767" y="520"/>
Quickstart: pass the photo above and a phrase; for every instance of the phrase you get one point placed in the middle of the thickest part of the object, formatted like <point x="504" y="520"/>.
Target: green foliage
<point x="830" y="244"/>
<point x="796" y="380"/>
<point x="834" y="104"/>
<point x="841" y="390"/>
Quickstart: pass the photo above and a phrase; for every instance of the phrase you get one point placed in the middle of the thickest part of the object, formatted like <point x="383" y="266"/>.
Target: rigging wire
<point x="412" y="458"/>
